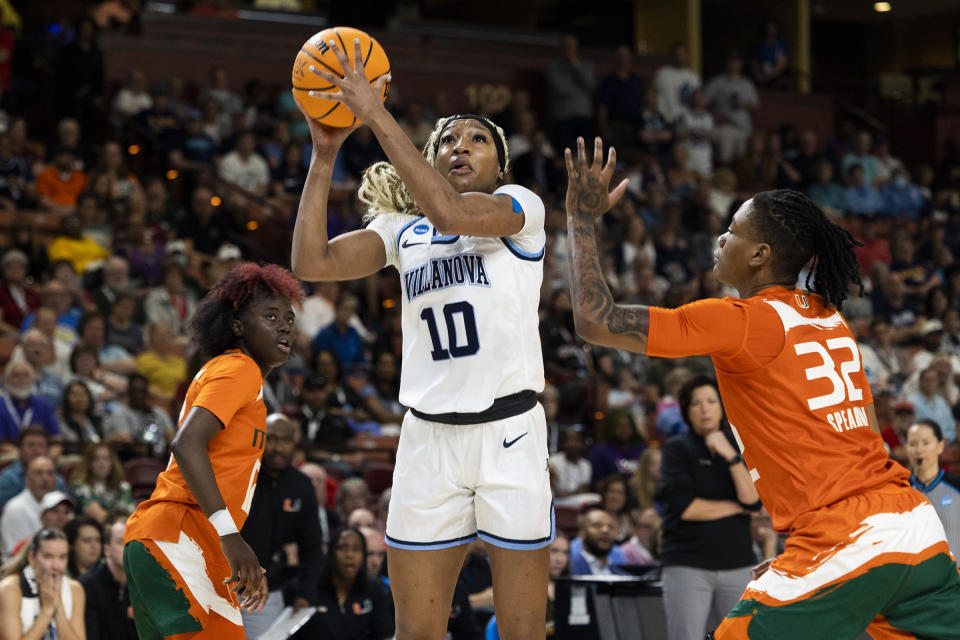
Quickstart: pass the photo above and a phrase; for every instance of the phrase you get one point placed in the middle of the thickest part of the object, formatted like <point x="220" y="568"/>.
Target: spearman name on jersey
<point x="470" y="324"/>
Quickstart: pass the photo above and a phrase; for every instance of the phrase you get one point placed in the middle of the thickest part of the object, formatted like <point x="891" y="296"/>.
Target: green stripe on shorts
<point x="923" y="599"/>
<point x="160" y="607"/>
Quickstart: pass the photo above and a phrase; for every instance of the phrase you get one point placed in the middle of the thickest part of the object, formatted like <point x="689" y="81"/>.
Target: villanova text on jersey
<point x="446" y="271"/>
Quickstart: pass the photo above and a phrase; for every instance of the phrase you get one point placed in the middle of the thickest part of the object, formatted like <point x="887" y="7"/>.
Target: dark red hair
<point x="212" y="325"/>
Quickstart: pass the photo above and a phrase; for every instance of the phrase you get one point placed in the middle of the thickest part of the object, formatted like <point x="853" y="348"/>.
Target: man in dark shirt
<point x="283" y="515"/>
<point x="108" y="604"/>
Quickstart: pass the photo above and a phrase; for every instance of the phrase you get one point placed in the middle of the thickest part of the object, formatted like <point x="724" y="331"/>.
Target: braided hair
<point x="799" y="233"/>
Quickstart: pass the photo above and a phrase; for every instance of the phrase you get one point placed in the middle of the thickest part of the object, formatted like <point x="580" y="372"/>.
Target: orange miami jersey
<point x="230" y="386"/>
<point x="794" y="391"/>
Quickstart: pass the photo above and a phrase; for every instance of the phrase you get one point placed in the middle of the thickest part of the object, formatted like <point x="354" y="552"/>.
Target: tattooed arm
<point x="597" y="318"/>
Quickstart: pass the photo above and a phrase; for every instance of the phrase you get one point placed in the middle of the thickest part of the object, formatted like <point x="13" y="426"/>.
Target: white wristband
<point x="223" y="523"/>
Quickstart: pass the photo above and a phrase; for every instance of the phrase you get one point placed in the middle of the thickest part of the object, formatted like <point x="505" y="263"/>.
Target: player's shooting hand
<point x="245" y="572"/>
<point x="326" y="140"/>
<point x="357" y="93"/>
<point x="587" y="182"/>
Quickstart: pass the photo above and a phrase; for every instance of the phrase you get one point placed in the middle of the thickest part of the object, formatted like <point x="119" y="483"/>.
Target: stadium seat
<point x="566" y="519"/>
<point x="378" y="476"/>
<point x="142" y="475"/>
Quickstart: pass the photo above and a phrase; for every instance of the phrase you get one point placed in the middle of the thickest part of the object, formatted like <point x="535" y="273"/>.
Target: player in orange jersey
<point x="865" y="550"/>
<point x="188" y="570"/>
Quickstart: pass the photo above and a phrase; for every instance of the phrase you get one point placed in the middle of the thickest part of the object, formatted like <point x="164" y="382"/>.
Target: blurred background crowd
<point x="126" y="192"/>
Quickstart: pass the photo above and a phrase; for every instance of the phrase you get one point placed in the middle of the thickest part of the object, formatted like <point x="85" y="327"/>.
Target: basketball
<point x="317" y="52"/>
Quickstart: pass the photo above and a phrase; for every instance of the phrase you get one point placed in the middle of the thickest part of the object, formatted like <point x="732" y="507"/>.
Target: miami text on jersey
<point x="446" y="271"/>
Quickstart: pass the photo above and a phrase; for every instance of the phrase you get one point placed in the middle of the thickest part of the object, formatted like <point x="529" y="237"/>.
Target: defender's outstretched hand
<point x="587" y="182"/>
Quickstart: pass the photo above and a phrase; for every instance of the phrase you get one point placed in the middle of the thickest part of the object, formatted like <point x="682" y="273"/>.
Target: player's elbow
<point x="587" y="328"/>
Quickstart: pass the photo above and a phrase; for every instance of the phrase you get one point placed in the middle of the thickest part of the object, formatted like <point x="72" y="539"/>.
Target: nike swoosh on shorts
<point x="507" y="445"/>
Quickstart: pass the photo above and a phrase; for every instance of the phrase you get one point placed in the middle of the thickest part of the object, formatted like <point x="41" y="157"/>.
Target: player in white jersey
<point x="472" y="459"/>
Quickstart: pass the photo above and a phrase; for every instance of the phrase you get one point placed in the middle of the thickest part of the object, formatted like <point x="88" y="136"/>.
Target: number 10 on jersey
<point x="457" y="346"/>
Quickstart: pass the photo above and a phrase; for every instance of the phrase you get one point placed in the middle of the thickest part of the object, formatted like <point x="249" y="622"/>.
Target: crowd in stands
<point x="121" y="216"/>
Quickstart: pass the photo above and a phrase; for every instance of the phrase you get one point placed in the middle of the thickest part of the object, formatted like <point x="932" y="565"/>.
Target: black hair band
<point x="498" y="143"/>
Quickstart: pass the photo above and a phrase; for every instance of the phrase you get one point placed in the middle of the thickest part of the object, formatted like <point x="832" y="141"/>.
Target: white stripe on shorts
<point x="186" y="556"/>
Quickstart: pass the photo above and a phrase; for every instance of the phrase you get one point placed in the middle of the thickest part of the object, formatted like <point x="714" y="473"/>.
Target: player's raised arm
<point x="596" y="317"/>
<point x="353" y="255"/>
<point x="458" y="152"/>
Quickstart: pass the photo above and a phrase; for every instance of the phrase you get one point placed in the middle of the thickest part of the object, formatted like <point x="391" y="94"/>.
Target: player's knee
<point x="417" y="630"/>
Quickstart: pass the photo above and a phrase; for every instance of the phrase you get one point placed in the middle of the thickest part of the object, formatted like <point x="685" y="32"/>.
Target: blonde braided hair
<point x="382" y="190"/>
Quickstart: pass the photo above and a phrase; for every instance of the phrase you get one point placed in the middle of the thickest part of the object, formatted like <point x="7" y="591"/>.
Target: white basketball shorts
<point x="453" y="483"/>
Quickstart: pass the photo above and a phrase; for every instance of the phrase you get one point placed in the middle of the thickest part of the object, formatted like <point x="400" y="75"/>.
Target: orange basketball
<point x="317" y="52"/>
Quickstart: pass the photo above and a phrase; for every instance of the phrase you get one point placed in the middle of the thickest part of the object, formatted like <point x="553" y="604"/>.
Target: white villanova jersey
<point x="470" y="323"/>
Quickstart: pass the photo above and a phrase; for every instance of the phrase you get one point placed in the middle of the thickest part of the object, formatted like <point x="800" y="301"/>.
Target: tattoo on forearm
<point x="589" y="290"/>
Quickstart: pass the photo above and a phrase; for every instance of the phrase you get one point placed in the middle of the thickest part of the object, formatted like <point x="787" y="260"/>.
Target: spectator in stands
<point x="731" y="98"/>
<point x="319" y="425"/>
<point x="951" y="331"/>
<point x="570" y="471"/>
<point x="73" y="246"/>
<point x="36" y="349"/>
<point x="116" y="281"/>
<point x="380" y="397"/>
<point x="353" y="494"/>
<point x="572" y="81"/>
<point x="160" y="362"/>
<point x="695" y="129"/>
<point x="85" y="541"/>
<point x="616" y="500"/>
<point x="20" y="406"/>
<point x="896" y="432"/>
<point x="806" y="158"/>
<point x="288" y="178"/>
<point x="675" y="81"/>
<point x="133" y="97"/>
<point x="21" y="515"/>
<point x="35" y="591"/>
<point x="361" y="518"/>
<point x="122" y="183"/>
<point x="618" y="452"/>
<point x="219" y="92"/>
<point x="916" y="272"/>
<point x="68" y="135"/>
<point x="892" y="305"/>
<point x="107" y="599"/>
<point x="196" y="150"/>
<point x="33" y="443"/>
<point x="785" y="174"/>
<point x="654" y="132"/>
<point x="618" y="103"/>
<point x="339" y="336"/>
<point x="122" y="329"/>
<point x="78" y="419"/>
<point x="17" y="183"/>
<point x="925" y="444"/>
<point x="317" y="310"/>
<point x="770" y="60"/>
<point x="593" y="552"/>
<point x="862" y="198"/>
<point x="244" y="167"/>
<point x="827" y="193"/>
<point x="639" y="549"/>
<point x="887" y="165"/>
<point x="85" y="366"/>
<point x="900" y="198"/>
<point x="113" y="359"/>
<point x="929" y="404"/>
<point x="329" y="519"/>
<point x="883" y="362"/>
<point x="60" y="183"/>
<point x="350" y="604"/>
<point x="23" y="237"/>
<point x="159" y="125"/>
<point x="283" y="512"/>
<point x="173" y="301"/>
<point x="707" y="550"/>
<point x="99" y="483"/>
<point x="860" y="155"/>
<point x="79" y="77"/>
<point x="645" y="483"/>
<point x="17" y="297"/>
<point x="137" y="420"/>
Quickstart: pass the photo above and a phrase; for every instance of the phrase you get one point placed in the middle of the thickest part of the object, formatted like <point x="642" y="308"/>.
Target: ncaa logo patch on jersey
<point x="946" y="501"/>
<point x="421" y="229"/>
<point x="802" y="301"/>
